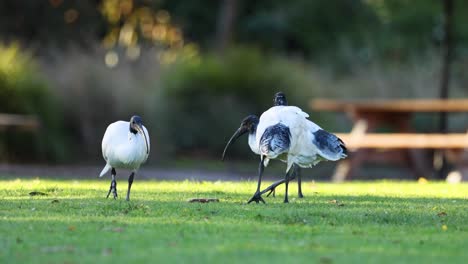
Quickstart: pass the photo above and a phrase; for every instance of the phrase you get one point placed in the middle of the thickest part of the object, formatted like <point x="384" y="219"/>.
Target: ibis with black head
<point x="285" y="133"/>
<point x="125" y="145"/>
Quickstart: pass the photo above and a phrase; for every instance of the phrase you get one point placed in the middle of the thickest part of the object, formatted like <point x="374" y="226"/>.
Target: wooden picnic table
<point x="405" y="143"/>
<point x="392" y="106"/>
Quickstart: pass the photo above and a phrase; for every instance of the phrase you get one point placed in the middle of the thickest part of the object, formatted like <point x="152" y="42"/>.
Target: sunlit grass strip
<point x="379" y="188"/>
<point x="379" y="222"/>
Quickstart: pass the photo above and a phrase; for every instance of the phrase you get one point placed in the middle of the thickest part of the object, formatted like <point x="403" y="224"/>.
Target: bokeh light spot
<point x="133" y="52"/>
<point x="55" y="3"/>
<point x="126" y="34"/>
<point x="126" y="7"/>
<point x="71" y="15"/>
<point x="163" y="17"/>
<point x="111" y="59"/>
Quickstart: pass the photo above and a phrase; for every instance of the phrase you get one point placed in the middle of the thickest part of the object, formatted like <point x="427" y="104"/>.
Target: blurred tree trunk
<point x="227" y="15"/>
<point x="447" y="52"/>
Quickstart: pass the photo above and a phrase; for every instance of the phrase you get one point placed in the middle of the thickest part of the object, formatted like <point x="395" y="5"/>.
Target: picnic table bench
<point x="404" y="145"/>
<point x="25" y="122"/>
<point x="16" y="122"/>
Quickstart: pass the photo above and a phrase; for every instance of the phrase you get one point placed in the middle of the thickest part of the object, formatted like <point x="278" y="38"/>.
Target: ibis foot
<point x="257" y="197"/>
<point x="113" y="189"/>
<point x="272" y="193"/>
<point x="272" y="188"/>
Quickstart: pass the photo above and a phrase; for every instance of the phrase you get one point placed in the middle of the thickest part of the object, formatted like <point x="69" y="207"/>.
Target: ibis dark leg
<point x="257" y="197"/>
<point x="299" y="182"/>
<point x="271" y="189"/>
<point x="113" y="186"/>
<point x="286" y="183"/>
<point x="130" y="181"/>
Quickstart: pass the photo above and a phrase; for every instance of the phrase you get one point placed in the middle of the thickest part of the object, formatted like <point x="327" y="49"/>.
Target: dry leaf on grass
<point x="107" y="252"/>
<point x="336" y="202"/>
<point x="203" y="200"/>
<point x="118" y="230"/>
<point x="442" y="214"/>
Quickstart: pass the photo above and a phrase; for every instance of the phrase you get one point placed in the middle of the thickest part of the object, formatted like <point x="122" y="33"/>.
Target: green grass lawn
<point x="378" y="222"/>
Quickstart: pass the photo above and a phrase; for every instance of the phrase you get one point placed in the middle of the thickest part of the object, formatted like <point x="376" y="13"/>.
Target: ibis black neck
<point x="253" y="128"/>
<point x="280" y="99"/>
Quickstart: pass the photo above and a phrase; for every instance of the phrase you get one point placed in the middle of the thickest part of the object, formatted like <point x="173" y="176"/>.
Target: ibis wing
<point x="106" y="142"/>
<point x="328" y="145"/>
<point x="297" y="111"/>
<point x="275" y="140"/>
<point x="116" y="133"/>
<point x="291" y="116"/>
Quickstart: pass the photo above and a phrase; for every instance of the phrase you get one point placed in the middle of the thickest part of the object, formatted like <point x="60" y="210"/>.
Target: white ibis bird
<point x="285" y="133"/>
<point x="125" y="146"/>
<point x="280" y="99"/>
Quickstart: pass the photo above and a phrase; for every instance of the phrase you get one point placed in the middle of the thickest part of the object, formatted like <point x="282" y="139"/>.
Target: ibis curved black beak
<point x="242" y="130"/>
<point x="140" y="129"/>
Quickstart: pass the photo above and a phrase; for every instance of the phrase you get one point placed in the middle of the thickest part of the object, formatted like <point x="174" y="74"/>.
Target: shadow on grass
<point x="329" y="210"/>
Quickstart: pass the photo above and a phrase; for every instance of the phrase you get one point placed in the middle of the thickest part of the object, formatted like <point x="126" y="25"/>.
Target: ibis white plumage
<point x="249" y="124"/>
<point x="125" y="145"/>
<point x="285" y="133"/>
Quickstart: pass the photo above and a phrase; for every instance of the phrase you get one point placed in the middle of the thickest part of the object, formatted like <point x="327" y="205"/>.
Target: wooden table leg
<point x="348" y="168"/>
<point x="417" y="159"/>
<point x="460" y="159"/>
<point x="418" y="163"/>
<point x="369" y="122"/>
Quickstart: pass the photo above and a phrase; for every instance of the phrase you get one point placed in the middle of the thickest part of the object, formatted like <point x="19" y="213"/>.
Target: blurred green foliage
<point x="52" y="23"/>
<point x="191" y="98"/>
<point x="207" y="98"/>
<point x="24" y="91"/>
<point x="190" y="107"/>
<point x="394" y="28"/>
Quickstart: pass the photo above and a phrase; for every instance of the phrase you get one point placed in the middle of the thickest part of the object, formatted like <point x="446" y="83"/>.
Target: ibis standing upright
<point x="280" y="100"/>
<point x="125" y="146"/>
<point x="285" y="133"/>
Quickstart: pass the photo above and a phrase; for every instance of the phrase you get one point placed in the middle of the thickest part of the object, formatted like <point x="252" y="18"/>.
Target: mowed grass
<point x="377" y="222"/>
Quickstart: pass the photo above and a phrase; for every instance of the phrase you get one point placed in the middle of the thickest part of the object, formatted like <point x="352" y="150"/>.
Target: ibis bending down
<point x="278" y="100"/>
<point x="284" y="133"/>
<point x="125" y="146"/>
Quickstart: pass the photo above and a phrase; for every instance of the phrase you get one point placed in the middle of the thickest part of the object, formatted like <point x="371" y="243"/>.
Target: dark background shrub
<point x="24" y="91"/>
